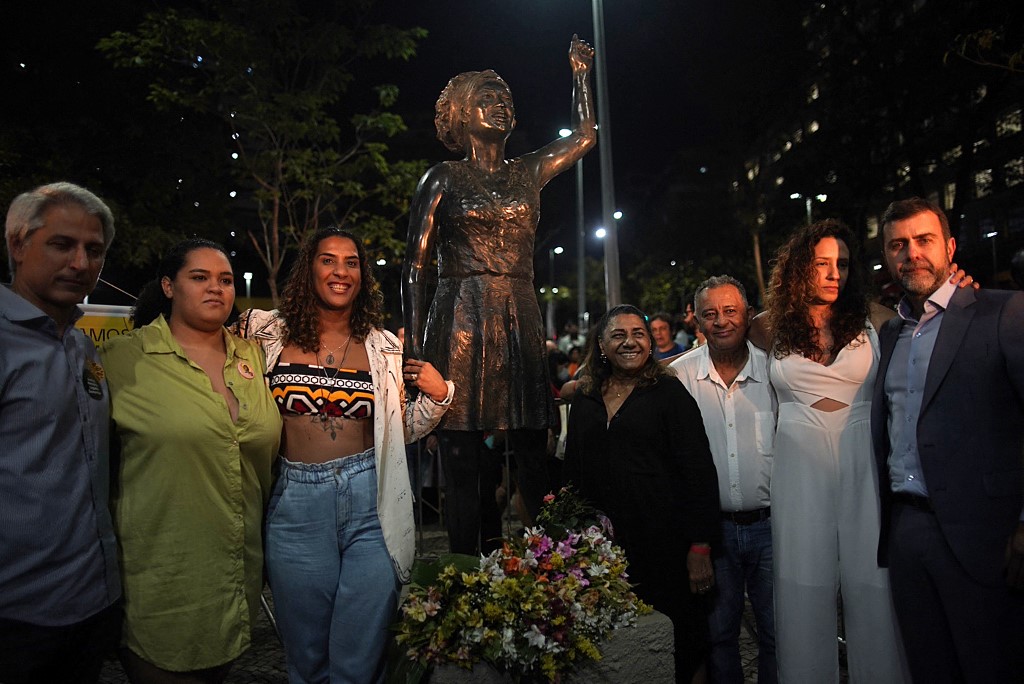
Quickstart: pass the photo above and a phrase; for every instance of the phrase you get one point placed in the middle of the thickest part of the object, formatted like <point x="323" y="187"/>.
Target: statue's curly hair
<point x="596" y="370"/>
<point x="453" y="99"/>
<point x="791" y="291"/>
<point x="300" y="303"/>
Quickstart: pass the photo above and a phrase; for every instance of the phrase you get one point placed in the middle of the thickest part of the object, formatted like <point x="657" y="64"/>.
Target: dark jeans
<point x="71" y="654"/>
<point x="472" y="472"/>
<point x="745" y="565"/>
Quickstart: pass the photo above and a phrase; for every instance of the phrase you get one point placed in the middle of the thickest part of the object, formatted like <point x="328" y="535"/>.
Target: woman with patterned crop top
<point x="339" y="527"/>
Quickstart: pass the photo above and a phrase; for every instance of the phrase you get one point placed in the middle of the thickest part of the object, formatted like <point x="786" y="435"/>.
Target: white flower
<point x="535" y="638"/>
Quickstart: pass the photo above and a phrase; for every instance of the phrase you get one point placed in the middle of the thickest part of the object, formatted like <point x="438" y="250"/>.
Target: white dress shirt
<point x="740" y="423"/>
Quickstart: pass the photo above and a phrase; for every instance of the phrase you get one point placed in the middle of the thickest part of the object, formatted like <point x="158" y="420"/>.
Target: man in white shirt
<point x="728" y="377"/>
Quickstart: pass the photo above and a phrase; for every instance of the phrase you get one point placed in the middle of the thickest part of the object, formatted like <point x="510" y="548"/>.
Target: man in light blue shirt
<point x="59" y="583"/>
<point x="947" y="422"/>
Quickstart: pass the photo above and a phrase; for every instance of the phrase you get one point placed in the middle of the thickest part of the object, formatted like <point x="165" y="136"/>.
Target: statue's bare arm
<point x="560" y="154"/>
<point x="420" y="246"/>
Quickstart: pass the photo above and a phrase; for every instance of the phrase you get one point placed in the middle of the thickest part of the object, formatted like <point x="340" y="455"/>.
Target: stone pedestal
<point x="634" y="655"/>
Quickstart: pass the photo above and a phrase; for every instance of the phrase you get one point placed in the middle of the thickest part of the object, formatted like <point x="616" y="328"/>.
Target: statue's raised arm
<point x="562" y="153"/>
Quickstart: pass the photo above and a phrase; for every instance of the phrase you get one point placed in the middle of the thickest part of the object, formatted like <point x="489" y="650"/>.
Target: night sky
<point x="682" y="76"/>
<point x="684" y="80"/>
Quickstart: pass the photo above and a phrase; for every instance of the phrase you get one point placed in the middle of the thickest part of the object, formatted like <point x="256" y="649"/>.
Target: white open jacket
<point x="396" y="422"/>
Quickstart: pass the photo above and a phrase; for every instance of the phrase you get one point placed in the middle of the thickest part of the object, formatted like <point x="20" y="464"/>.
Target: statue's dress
<point x="484" y="329"/>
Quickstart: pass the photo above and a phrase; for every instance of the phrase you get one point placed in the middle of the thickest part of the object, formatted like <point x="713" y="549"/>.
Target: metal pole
<point x="581" y="249"/>
<point x="995" y="262"/>
<point x="551" y="295"/>
<point x="808" y="201"/>
<point x="604" y="137"/>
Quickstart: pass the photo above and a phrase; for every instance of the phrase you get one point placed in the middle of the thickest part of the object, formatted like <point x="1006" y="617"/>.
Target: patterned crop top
<point x="301" y="389"/>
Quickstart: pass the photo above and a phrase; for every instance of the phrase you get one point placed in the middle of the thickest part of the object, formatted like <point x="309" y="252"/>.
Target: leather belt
<point x="921" y="503"/>
<point x="748" y="517"/>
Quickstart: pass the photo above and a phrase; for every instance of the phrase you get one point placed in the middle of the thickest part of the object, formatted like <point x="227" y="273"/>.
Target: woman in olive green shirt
<point x="198" y="433"/>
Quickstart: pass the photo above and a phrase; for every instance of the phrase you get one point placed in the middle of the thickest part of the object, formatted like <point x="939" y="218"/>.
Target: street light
<point x="807" y="202"/>
<point x="247" y="277"/>
<point x="554" y="291"/>
<point x="600" y="234"/>
<point x="995" y="264"/>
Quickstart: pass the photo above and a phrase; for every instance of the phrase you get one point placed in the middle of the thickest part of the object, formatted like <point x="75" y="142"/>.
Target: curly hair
<point x="300" y="304"/>
<point x="791" y="291"/>
<point x="596" y="369"/>
<point x="453" y="99"/>
<point x="152" y="301"/>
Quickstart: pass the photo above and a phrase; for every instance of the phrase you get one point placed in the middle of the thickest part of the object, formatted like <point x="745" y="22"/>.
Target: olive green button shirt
<point x="189" y="498"/>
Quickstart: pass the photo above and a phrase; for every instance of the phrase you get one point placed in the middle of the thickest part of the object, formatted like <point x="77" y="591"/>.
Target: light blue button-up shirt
<point x="59" y="556"/>
<point x="904" y="388"/>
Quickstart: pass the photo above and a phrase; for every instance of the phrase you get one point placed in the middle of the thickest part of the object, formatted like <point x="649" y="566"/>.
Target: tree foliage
<point x="280" y="81"/>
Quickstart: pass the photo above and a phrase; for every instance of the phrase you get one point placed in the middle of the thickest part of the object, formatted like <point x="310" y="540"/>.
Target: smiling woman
<point x="638" y="451"/>
<point x="198" y="434"/>
<point x="340" y="525"/>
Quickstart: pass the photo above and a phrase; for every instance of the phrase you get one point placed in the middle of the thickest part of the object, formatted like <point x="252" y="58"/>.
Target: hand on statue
<point x="425" y="378"/>
<point x="581" y="55"/>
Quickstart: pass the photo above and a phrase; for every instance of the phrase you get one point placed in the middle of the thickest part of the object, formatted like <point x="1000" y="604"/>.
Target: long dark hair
<point x="596" y="369"/>
<point x="791" y="291"/>
<point x="299" y="300"/>
<point x="152" y="301"/>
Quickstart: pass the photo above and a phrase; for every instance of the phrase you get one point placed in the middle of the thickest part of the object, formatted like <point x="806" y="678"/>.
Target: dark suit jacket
<point x="971" y="428"/>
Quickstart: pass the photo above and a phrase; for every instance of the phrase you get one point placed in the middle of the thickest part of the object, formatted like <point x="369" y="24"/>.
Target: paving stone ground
<point x="263" y="663"/>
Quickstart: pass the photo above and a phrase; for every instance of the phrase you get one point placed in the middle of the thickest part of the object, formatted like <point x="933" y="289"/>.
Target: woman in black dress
<point x="637" y="450"/>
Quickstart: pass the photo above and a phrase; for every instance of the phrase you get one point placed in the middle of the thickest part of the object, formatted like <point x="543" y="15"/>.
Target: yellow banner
<point x="101" y="322"/>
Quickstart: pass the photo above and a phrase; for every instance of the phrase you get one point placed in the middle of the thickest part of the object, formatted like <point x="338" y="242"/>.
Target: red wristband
<point x="702" y="550"/>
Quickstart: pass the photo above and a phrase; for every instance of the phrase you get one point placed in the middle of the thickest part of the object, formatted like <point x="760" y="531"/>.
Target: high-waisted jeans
<point x="335" y="588"/>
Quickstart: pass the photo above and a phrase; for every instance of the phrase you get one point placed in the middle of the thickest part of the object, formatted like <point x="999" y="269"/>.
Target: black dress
<point x="650" y="470"/>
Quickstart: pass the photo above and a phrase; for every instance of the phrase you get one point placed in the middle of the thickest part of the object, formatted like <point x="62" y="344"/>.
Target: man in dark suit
<point x="948" y="428"/>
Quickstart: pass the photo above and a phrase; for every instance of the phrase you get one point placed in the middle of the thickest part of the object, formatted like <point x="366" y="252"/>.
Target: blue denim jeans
<point x="745" y="564"/>
<point x="335" y="588"/>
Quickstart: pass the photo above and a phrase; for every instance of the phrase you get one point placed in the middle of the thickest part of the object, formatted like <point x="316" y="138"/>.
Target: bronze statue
<point x="484" y="328"/>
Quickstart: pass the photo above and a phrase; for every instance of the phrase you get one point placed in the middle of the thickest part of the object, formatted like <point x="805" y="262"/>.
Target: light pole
<point x="807" y="203"/>
<point x="247" y="277"/>
<point x="995" y="264"/>
<point x="604" y="149"/>
<point x="553" y="290"/>
<point x="581" y="246"/>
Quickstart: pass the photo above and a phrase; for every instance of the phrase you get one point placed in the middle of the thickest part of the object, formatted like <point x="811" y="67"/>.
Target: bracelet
<point x="702" y="549"/>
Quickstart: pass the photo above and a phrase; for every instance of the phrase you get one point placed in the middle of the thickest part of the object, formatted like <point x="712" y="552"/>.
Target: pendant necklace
<point x="326" y="421"/>
<point x="330" y="353"/>
<point x="618" y="391"/>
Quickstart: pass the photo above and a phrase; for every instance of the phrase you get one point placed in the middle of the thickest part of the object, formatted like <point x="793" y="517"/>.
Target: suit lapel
<point x="955" y="321"/>
<point x="887" y="337"/>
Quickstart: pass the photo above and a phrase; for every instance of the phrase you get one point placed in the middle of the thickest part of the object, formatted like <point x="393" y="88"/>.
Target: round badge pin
<point x="245" y="370"/>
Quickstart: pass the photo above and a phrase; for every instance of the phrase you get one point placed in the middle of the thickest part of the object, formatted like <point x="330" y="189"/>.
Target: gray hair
<point x="719" y="281"/>
<point x="26" y="213"/>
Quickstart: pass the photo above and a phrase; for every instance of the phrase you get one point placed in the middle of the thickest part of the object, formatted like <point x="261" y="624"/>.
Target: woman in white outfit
<point x="825" y="505"/>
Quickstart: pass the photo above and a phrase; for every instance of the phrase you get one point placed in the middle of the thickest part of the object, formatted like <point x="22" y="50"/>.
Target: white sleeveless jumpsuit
<point x="825" y="523"/>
